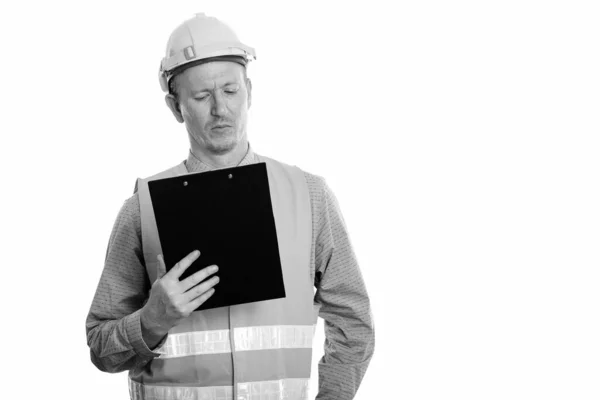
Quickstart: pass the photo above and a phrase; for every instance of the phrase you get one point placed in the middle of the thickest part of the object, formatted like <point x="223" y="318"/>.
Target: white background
<point x="460" y="138"/>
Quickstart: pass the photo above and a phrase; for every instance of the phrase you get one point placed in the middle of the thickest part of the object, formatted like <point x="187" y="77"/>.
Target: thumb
<point x="161" y="268"/>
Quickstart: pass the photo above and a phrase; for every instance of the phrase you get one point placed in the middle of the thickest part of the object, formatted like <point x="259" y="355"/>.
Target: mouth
<point x="221" y="126"/>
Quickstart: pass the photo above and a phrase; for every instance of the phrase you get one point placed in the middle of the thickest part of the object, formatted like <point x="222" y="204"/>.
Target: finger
<point x="183" y="264"/>
<point x="161" y="268"/>
<point x="198" y="277"/>
<point x="198" y="301"/>
<point x="199" y="290"/>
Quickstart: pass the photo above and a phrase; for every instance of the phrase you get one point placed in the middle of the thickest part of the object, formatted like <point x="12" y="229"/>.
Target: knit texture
<point x="113" y="323"/>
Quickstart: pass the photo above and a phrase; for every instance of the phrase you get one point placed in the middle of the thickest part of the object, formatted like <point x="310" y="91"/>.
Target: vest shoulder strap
<point x="148" y="220"/>
<point x="177" y="170"/>
<point x="292" y="172"/>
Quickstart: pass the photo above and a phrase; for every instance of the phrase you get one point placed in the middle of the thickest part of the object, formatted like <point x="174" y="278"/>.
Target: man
<point x="142" y="318"/>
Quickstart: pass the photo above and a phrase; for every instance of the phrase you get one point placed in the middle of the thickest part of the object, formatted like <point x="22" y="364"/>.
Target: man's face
<point x="213" y="101"/>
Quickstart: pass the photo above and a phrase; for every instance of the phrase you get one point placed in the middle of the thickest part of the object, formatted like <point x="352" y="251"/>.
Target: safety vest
<point x="259" y="350"/>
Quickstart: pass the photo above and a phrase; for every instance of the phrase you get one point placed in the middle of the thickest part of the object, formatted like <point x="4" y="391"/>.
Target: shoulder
<point x="179" y="168"/>
<point x="322" y="196"/>
<point x="132" y="204"/>
<point x="130" y="211"/>
<point x="316" y="185"/>
<point x="127" y="223"/>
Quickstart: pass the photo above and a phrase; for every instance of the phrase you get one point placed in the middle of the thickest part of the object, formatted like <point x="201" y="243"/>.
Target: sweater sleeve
<point x="344" y="304"/>
<point x="113" y="323"/>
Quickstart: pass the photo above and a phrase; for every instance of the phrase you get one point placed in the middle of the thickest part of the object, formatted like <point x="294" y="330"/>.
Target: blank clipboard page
<point x="226" y="214"/>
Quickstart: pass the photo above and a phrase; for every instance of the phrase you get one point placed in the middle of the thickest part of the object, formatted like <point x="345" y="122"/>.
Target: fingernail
<point x="196" y="252"/>
<point x="214" y="268"/>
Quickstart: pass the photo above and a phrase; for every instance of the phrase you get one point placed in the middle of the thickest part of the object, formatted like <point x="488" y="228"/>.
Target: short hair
<point x="177" y="71"/>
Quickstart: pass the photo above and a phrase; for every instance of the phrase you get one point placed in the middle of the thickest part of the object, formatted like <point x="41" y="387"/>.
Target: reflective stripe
<point x="137" y="391"/>
<point x="247" y="338"/>
<point x="274" y="337"/>
<point x="193" y="343"/>
<point x="289" y="389"/>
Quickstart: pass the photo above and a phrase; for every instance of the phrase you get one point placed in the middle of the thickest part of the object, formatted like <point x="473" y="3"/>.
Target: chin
<point x="222" y="146"/>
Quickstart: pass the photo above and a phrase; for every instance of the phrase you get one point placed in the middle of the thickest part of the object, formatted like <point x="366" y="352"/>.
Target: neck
<point x="218" y="161"/>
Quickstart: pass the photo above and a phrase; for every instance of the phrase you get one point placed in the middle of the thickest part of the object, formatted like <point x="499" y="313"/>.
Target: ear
<point x="249" y="89"/>
<point x="173" y="105"/>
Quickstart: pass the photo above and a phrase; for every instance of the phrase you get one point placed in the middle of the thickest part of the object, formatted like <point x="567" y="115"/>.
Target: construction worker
<point x="142" y="318"/>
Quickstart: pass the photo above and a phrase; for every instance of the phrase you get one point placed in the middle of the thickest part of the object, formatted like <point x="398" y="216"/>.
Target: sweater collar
<point x="193" y="164"/>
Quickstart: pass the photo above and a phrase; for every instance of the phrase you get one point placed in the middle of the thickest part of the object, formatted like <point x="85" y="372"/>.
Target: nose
<point x="218" y="106"/>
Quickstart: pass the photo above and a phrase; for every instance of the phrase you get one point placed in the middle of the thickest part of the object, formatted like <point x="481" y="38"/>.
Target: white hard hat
<point x="199" y="38"/>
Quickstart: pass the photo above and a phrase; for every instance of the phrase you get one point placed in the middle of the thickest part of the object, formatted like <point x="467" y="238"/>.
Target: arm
<point x="114" y="331"/>
<point x="345" y="306"/>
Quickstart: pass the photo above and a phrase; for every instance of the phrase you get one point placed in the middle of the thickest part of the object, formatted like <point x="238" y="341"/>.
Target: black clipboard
<point x="227" y="214"/>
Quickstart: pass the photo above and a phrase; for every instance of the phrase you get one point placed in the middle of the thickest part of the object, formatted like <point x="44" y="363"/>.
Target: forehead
<point x="211" y="74"/>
